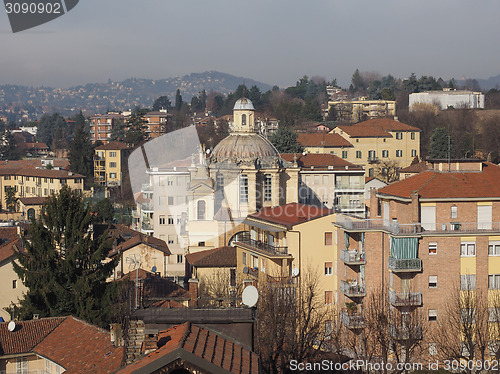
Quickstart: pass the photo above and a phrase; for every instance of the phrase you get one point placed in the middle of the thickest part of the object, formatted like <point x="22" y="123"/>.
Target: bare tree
<point x="388" y="171"/>
<point x="463" y="332"/>
<point x="220" y="288"/>
<point x="293" y="322"/>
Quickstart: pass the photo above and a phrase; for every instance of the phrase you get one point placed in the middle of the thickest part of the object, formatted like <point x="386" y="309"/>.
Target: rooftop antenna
<point x="137" y="263"/>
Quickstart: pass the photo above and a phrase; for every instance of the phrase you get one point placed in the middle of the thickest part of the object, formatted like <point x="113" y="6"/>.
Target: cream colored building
<point x="362" y="110"/>
<point x="379" y="141"/>
<point x="109" y="163"/>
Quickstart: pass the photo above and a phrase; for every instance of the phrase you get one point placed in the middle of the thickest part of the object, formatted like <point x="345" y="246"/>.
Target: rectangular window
<point x="467" y="249"/>
<point x="112" y="175"/>
<point x="494" y="249"/>
<point x="179" y="220"/>
<point x="328" y="238"/>
<point x="232" y="277"/>
<point x="412" y="135"/>
<point x="413" y="153"/>
<point x="399" y="153"/>
<point x="263" y="265"/>
<point x="433" y="349"/>
<point x="162" y="220"/>
<point x="180" y="259"/>
<point x="112" y="154"/>
<point x="344" y="154"/>
<point x="432" y="315"/>
<point x="358" y="154"/>
<point x="243" y="188"/>
<point x="255" y="262"/>
<point x="454" y="212"/>
<point x="244" y="258"/>
<point x="22" y="365"/>
<point x="170" y="220"/>
<point x="433" y="281"/>
<point x="267" y="187"/>
<point x="468" y="282"/>
<point x="371" y="155"/>
<point x="494" y="282"/>
<point x="170" y="200"/>
<point x="328" y="268"/>
<point x="7" y="177"/>
<point x="433" y="248"/>
<point x="399" y="135"/>
<point x="170" y="181"/>
<point x="14" y="283"/>
<point x="112" y="164"/>
<point x="170" y="239"/>
<point x="328" y="297"/>
<point x="385" y="153"/>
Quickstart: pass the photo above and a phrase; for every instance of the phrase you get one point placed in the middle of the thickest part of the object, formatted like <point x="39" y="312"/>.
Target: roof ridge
<point x="45" y="337"/>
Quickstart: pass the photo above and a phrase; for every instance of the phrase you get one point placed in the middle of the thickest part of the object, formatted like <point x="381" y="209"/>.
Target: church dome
<point x="243" y="104"/>
<point x="243" y="147"/>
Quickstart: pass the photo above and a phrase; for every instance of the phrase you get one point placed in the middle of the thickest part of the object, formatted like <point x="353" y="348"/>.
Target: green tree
<point x="10" y="198"/>
<point x="118" y="131"/>
<point x="64" y="267"/>
<point x="9" y="149"/>
<point x="441" y="144"/>
<point x="162" y="102"/>
<point x="311" y="109"/>
<point x="285" y="140"/>
<point x="134" y="130"/>
<point x="178" y="101"/>
<point x="81" y="153"/>
<point x="104" y="211"/>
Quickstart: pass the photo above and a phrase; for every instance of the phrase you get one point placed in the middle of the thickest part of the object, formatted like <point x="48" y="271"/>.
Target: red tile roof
<point x="32" y="200"/>
<point x="416" y="168"/>
<point x="322" y="140"/>
<point x="377" y="127"/>
<point x="27" y="334"/>
<point x="217" y="257"/>
<point x="140" y="238"/>
<point x="80" y="347"/>
<point x="9" y="240"/>
<point x="217" y="352"/>
<point x="290" y="214"/>
<point x="318" y="160"/>
<point x="455" y="185"/>
<point x="43" y="173"/>
<point x="112" y="146"/>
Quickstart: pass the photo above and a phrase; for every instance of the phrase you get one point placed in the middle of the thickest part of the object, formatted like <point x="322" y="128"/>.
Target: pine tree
<point x="285" y="141"/>
<point x="81" y="153"/>
<point x="9" y="149"/>
<point x="178" y="101"/>
<point x="441" y="146"/>
<point x="134" y="134"/>
<point x="63" y="266"/>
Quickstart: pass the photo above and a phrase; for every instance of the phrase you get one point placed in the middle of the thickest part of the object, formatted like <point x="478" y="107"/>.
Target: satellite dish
<point x="295" y="272"/>
<point x="250" y="296"/>
<point x="245" y="270"/>
<point x="154" y="269"/>
<point x="11" y="326"/>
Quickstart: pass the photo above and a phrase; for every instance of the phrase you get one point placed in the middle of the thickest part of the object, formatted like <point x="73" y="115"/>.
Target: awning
<point x="263" y="225"/>
<point x="404" y="248"/>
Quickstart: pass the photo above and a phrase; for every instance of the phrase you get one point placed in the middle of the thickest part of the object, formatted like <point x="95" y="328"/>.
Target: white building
<point x="448" y="99"/>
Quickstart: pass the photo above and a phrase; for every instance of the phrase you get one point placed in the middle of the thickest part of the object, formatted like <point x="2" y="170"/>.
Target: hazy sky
<point x="274" y="41"/>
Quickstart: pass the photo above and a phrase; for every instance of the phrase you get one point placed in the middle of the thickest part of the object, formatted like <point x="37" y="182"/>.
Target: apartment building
<point x="329" y="181"/>
<point x="378" y="141"/>
<point x="448" y="98"/>
<point x="324" y="143"/>
<point x="361" y="110"/>
<point x="32" y="182"/>
<point x="428" y="234"/>
<point x="101" y="126"/>
<point x="110" y="163"/>
<point x="157" y="123"/>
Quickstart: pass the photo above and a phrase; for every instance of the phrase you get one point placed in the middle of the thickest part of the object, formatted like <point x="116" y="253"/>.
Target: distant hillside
<point x="30" y="102"/>
<point x="484" y="84"/>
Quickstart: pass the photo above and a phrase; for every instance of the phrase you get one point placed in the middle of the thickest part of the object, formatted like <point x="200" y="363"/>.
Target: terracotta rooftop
<point x="9" y="240"/>
<point x="181" y="342"/>
<point x="319" y="160"/>
<point x="32" y="200"/>
<point x="80" y="347"/>
<point x="377" y="127"/>
<point x="35" y="163"/>
<point x="416" y="168"/>
<point x="42" y="173"/>
<point x="112" y="146"/>
<point x="290" y="214"/>
<point x="455" y="185"/>
<point x="322" y="140"/>
<point x="217" y="257"/>
<point x="140" y="238"/>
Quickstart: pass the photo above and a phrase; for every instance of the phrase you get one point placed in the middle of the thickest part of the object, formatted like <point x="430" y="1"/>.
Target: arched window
<point x="31" y="213"/>
<point x="244" y="119"/>
<point x="201" y="209"/>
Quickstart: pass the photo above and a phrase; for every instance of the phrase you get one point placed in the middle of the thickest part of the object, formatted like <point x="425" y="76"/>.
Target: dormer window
<point x="244" y="119"/>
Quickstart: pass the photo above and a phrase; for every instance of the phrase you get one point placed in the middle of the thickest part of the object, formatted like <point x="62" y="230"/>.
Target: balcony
<point x="261" y="246"/>
<point x="354" y="321"/>
<point x="356" y="206"/>
<point x="405" y="332"/>
<point x="352" y="289"/>
<point x="251" y="271"/>
<point x="147" y="188"/>
<point x="409" y="265"/>
<point x="373" y="160"/>
<point x="147" y="207"/>
<point x="405" y="299"/>
<point x="148" y="227"/>
<point x="353" y="257"/>
<point x="356" y="187"/>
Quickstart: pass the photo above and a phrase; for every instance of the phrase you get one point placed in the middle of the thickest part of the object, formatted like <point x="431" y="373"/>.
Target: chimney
<point x="373" y="203"/>
<point x="193" y="291"/>
<point x="415" y="216"/>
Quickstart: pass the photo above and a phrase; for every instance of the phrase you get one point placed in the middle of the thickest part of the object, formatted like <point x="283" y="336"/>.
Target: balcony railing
<point x="405" y="299"/>
<point x="354" y="321"/>
<point x="373" y="160"/>
<point x="147" y="188"/>
<point x="349" y="187"/>
<point x="356" y="206"/>
<point x="353" y="257"/>
<point x="359" y="224"/>
<point x="351" y="289"/>
<point x="147" y="226"/>
<point x="147" y="207"/>
<point x="257" y="244"/>
<point x="406" y="332"/>
<point x="405" y="265"/>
